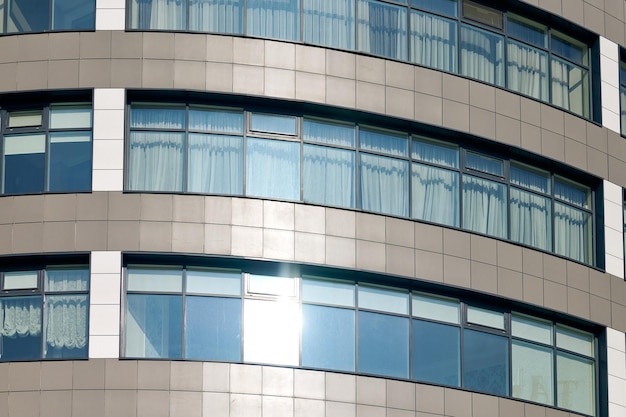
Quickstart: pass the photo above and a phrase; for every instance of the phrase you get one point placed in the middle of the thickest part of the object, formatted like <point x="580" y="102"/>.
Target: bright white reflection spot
<point x="271" y="332"/>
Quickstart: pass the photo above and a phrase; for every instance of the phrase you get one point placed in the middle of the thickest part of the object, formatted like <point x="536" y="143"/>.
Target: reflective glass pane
<point x="221" y="16"/>
<point x="482" y="55"/>
<point x="569" y="48"/>
<point x="572" y="233"/>
<point x="483" y="14"/>
<point x="531" y="328"/>
<point x="271" y="332"/>
<point x="526" y="30"/>
<point x="156" y="161"/>
<point x="382" y="29"/>
<point x="215" y="120"/>
<point x="325" y="291"/>
<point x="272" y="285"/>
<point x="271" y="123"/>
<point x="69" y="163"/>
<point x="391" y="143"/>
<point x="273" y="169"/>
<point x="433" y="41"/>
<point x="485" y="362"/>
<point x="329" y="176"/>
<point x="25" y="118"/>
<point x="436" y="308"/>
<point x="576" y="384"/>
<point x="157" y="116"/>
<point x="157" y="280"/>
<point x="20" y="338"/>
<point x="20" y="280"/>
<point x="66" y="279"/>
<point x="483" y="163"/>
<point x="529" y="177"/>
<point x="435" y="195"/>
<point x="435" y="152"/>
<point x="485" y="317"/>
<point x="328" y="338"/>
<point x="527" y="70"/>
<point x="273" y="18"/>
<point x="28" y="16"/>
<point x="484" y="206"/>
<point x="329" y="23"/>
<point x="154" y="326"/>
<point x="570" y="87"/>
<point x="622" y="97"/>
<point x="383" y="299"/>
<point x="448" y="7"/>
<point x="384" y="185"/>
<point x="213" y="328"/>
<point x="73" y="14"/>
<point x="66" y="326"/>
<point x="574" y="340"/>
<point x="158" y="14"/>
<point x="436" y="353"/>
<point x="383" y="342"/>
<point x="24" y="164"/>
<point x="215" y="164"/>
<point x="214" y="281"/>
<point x="531" y="219"/>
<point x="63" y="116"/>
<point x="572" y="192"/>
<point x="328" y="132"/>
<point x="532" y="373"/>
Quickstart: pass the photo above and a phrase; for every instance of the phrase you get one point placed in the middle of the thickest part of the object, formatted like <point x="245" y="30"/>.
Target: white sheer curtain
<point x="484" y="206"/>
<point x="570" y="87"/>
<point x="329" y="23"/>
<point x="482" y="55"/>
<point x="433" y="41"/>
<point x="273" y="168"/>
<point x="156" y="161"/>
<point x="435" y="195"/>
<point x="527" y="70"/>
<point x="572" y="233"/>
<point x="382" y="29"/>
<point x="329" y="176"/>
<point x="215" y="164"/>
<point x="531" y="219"/>
<point x="158" y="14"/>
<point x="384" y="185"/>
<point x="273" y="18"/>
<point x="66" y="321"/>
<point x="20" y="316"/>
<point x="221" y="16"/>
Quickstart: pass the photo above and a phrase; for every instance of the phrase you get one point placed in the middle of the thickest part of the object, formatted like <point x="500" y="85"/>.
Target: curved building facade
<point x="312" y="208"/>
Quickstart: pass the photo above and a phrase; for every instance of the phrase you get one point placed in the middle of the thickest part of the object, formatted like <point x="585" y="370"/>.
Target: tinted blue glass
<point x="74" y="14"/>
<point x="21" y="328"/>
<point x="213" y="329"/>
<point x="157" y="116"/>
<point x="485" y="362"/>
<point x="448" y="7"/>
<point x="384" y="185"/>
<point x="66" y="324"/>
<point x="70" y="166"/>
<point x="222" y="16"/>
<point x="527" y="31"/>
<point x="383" y="344"/>
<point x="154" y="326"/>
<point x="329" y="23"/>
<point x="381" y="29"/>
<point x="384" y="142"/>
<point x="328" y="339"/>
<point x="569" y="48"/>
<point x="436" y="353"/>
<point x="329" y="176"/>
<point x="273" y="169"/>
<point x="28" y="15"/>
<point x="271" y="123"/>
<point x="214" y="120"/>
<point x="24" y="173"/>
<point x="273" y="18"/>
<point x="158" y="14"/>
<point x="330" y="133"/>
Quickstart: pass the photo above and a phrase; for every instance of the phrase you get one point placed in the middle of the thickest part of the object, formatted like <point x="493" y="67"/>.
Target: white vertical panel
<point x="108" y="139"/>
<point x="104" y="304"/>
<point x="613" y="229"/>
<point x="110" y="14"/>
<point x="609" y="74"/>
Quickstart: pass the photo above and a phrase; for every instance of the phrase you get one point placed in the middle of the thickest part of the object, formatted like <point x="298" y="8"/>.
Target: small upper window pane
<point x="214" y="281"/>
<point x="531" y="328"/>
<point x="73" y="14"/>
<point x="66" y="279"/>
<point x="24" y="144"/>
<point x="483" y="14"/>
<point x="435" y="152"/>
<point x="20" y="280"/>
<point x="436" y="308"/>
<point x="574" y="340"/>
<point x="157" y="116"/>
<point x="392" y="143"/>
<point x="30" y="118"/>
<point x="329" y="133"/>
<point x="272" y="285"/>
<point x="325" y="291"/>
<point x="485" y="317"/>
<point x="70" y="116"/>
<point x="526" y="30"/>
<point x="448" y="7"/>
<point x="572" y="192"/>
<point x="155" y="280"/>
<point x="529" y="177"/>
<point x="486" y="164"/>
<point x="271" y="123"/>
<point x="569" y="48"/>
<point x="384" y="299"/>
<point x="214" y="120"/>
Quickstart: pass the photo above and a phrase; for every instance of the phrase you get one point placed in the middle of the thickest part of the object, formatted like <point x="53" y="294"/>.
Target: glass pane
<point x="73" y="14"/>
<point x="20" y="280"/>
<point x="483" y="14"/>
<point x="156" y="116"/>
<point x="69" y="162"/>
<point x="569" y="48"/>
<point x="66" y="279"/>
<point x="433" y="41"/>
<point x="531" y="328"/>
<point x="215" y="164"/>
<point x="390" y="143"/>
<point x="284" y="125"/>
<point x="222" y="16"/>
<point x="64" y="116"/>
<point x="436" y="308"/>
<point x="329" y="176"/>
<point x="24" y="164"/>
<point x="213" y="120"/>
<point x="214" y="281"/>
<point x="273" y="19"/>
<point x="154" y="326"/>
<point x="527" y="70"/>
<point x="436" y="353"/>
<point x="485" y="317"/>
<point x="156" y="161"/>
<point x="329" y="23"/>
<point x="572" y="192"/>
<point x="529" y="177"/>
<point x="485" y="363"/>
<point x="25" y="118"/>
<point x="383" y="299"/>
<point x="20" y="337"/>
<point x="526" y="30"/>
<point x="328" y="133"/>
<point x="435" y="195"/>
<point x="574" y="340"/>
<point x="570" y="87"/>
<point x="383" y="342"/>
<point x="271" y="285"/>
<point x="325" y="291"/>
<point x="576" y="384"/>
<point x="483" y="163"/>
<point x="572" y="233"/>
<point x="155" y="280"/>
<point x="158" y="14"/>
<point x="66" y="326"/>
<point x="382" y="29"/>
<point x="532" y="373"/>
<point x="28" y="16"/>
<point x="448" y="7"/>
<point x="271" y="332"/>
<point x="328" y="338"/>
<point x="273" y="169"/>
<point x="622" y="96"/>
<point x="484" y="206"/>
<point x="482" y="55"/>
<point x="435" y="152"/>
<point x="384" y="185"/>
<point x="213" y="328"/>
<point x="531" y="219"/>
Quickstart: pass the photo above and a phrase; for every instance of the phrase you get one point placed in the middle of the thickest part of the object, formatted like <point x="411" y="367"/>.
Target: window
<point x="41" y="16"/>
<point x="284" y="316"/>
<point x="622" y="92"/>
<point x="44" y="313"/>
<point x="47" y="149"/>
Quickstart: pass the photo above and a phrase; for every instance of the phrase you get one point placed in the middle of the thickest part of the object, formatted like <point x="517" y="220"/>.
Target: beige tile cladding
<point x="308" y="234"/>
<point x="113" y="388"/>
<point x="282" y="70"/>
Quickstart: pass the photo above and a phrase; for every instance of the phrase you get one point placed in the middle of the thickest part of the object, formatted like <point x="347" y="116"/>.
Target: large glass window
<point x="18" y="16"/>
<point x="47" y="149"/>
<point x="382" y="29"/>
